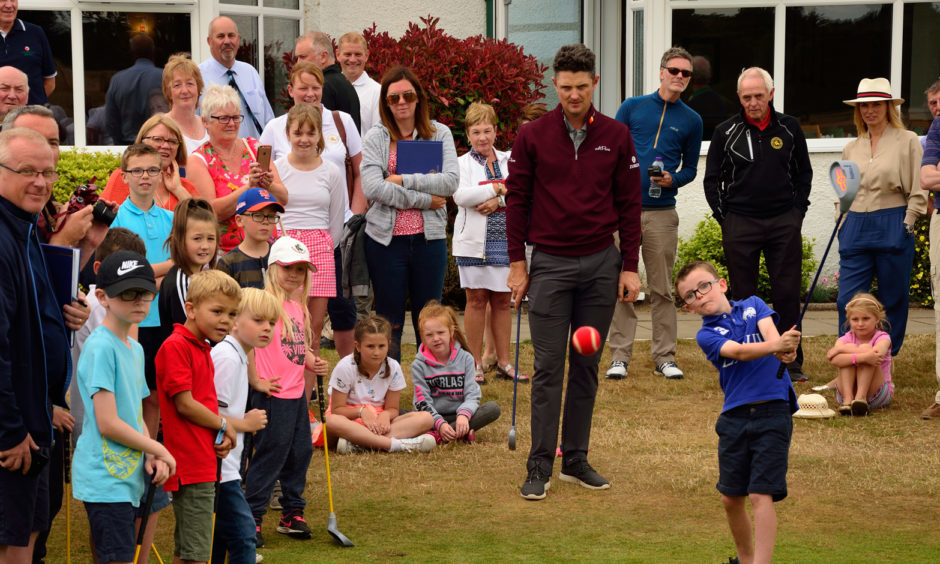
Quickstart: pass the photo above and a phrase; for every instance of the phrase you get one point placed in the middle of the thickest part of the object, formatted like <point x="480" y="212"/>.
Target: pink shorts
<point x="320" y="244"/>
<point x="881" y="398"/>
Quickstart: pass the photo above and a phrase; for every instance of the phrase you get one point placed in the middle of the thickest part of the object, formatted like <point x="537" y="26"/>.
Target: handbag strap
<point x="341" y="128"/>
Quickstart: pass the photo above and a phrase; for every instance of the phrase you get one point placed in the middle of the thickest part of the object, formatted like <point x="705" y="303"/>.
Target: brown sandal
<point x="480" y="378"/>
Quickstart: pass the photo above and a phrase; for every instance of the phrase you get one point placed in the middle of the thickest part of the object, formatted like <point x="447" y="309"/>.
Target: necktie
<point x="233" y="84"/>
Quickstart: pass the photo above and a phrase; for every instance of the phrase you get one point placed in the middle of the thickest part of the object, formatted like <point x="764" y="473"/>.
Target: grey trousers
<point x="485" y="414"/>
<point x="566" y="293"/>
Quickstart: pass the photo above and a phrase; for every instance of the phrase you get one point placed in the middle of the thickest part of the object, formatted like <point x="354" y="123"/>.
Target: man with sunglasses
<point x="757" y="182"/>
<point x="34" y="364"/>
<point x="662" y="127"/>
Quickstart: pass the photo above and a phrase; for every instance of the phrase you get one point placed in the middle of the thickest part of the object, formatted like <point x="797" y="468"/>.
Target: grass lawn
<point x="861" y="490"/>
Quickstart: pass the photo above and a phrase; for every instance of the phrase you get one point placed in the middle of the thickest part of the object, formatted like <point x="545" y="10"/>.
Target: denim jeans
<point x="409" y="267"/>
<point x="234" y="526"/>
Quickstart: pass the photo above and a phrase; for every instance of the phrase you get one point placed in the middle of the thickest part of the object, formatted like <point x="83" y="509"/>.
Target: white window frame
<point x="201" y="12"/>
<point x="658" y="33"/>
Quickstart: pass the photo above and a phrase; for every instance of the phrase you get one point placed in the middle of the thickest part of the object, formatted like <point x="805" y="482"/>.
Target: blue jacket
<point x="35" y="363"/>
<point x="670" y="130"/>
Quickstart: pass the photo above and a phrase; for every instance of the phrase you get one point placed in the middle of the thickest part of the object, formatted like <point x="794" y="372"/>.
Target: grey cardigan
<point x="387" y="197"/>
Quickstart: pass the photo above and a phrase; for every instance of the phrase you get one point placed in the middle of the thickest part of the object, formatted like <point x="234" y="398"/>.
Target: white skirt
<point x="492" y="278"/>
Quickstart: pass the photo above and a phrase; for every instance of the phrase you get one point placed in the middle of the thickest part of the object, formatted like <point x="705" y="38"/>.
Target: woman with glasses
<point x="406" y="246"/>
<point x="163" y="134"/>
<point x="226" y="165"/>
<point x="182" y="86"/>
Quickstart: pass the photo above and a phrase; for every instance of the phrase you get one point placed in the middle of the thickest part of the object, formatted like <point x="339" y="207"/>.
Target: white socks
<point x="396" y="445"/>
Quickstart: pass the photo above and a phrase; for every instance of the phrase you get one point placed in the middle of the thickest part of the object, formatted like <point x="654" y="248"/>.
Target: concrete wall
<point x="818" y="223"/>
<point x="336" y="17"/>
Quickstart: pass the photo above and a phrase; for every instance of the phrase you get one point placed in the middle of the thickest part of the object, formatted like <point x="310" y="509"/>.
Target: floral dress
<point x="226" y="182"/>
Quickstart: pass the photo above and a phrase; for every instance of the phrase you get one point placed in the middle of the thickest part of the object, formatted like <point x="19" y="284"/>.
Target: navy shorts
<point x="112" y="529"/>
<point x="342" y="310"/>
<point x="24" y="505"/>
<point x="753" y="448"/>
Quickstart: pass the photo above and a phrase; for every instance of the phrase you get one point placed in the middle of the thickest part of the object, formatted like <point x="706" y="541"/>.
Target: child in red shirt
<point x="193" y="430"/>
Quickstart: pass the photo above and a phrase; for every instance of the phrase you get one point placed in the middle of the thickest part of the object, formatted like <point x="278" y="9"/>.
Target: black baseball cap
<point x="125" y="270"/>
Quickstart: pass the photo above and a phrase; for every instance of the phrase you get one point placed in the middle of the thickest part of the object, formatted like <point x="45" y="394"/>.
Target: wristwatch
<point x="909" y="228"/>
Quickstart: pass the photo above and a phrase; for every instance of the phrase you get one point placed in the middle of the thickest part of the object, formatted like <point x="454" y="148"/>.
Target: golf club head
<point x="512" y="439"/>
<point x="845" y="177"/>
<point x="334" y="531"/>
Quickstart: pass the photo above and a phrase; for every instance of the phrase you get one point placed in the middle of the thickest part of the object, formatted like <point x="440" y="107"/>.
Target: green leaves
<point x="79" y="166"/>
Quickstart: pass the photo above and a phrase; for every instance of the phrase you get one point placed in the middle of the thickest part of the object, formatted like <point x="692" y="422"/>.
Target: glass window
<point x="279" y="36"/>
<point x="723" y="42"/>
<point x="828" y="50"/>
<point x="920" y="62"/>
<point x="106" y="44"/>
<point x="638" y="53"/>
<point x="541" y="27"/>
<point x="291" y="4"/>
<point x="58" y="30"/>
<point x="248" y="30"/>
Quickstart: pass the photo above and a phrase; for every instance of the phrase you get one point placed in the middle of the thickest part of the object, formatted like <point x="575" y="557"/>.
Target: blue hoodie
<point x="447" y="388"/>
<point x="670" y="130"/>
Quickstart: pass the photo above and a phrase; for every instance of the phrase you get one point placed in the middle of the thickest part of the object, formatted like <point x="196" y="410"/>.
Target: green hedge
<point x="79" y="166"/>
<point x="706" y="245"/>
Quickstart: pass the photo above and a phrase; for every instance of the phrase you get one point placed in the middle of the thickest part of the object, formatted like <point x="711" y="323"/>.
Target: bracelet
<point x="360" y="411"/>
<point x="853" y="358"/>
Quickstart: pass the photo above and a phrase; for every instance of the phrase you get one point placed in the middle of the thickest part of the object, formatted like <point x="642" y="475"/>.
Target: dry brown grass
<point x="861" y="490"/>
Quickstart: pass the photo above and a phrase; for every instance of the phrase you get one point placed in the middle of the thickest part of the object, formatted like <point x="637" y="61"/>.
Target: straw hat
<point x="813" y="406"/>
<point x="874" y="90"/>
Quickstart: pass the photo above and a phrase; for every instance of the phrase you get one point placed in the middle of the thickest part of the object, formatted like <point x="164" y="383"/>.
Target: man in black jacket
<point x="338" y="92"/>
<point x="757" y="183"/>
<point x="34" y="359"/>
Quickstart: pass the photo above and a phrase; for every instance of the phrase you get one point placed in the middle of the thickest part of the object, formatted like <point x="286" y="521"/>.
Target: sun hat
<point x="813" y="406"/>
<point x="254" y="199"/>
<point x="125" y="270"/>
<point x="287" y="251"/>
<point x="874" y="90"/>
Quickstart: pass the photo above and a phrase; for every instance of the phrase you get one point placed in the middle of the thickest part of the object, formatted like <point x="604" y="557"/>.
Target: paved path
<point x="816" y="322"/>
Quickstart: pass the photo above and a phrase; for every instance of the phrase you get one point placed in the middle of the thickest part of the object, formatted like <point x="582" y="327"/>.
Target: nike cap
<point x="125" y="270"/>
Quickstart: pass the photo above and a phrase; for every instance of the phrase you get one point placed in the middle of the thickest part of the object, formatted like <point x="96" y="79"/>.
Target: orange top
<point x="117" y="191"/>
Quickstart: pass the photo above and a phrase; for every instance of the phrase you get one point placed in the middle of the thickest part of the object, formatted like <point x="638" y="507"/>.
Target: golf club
<point x="148" y="502"/>
<point x="67" y="476"/>
<point x="845" y="177"/>
<point x="515" y="380"/>
<point x="218" y="482"/>
<point x="153" y="547"/>
<point x="331" y="522"/>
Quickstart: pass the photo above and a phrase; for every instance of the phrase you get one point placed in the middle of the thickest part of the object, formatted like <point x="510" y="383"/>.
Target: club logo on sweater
<point x="602" y="148"/>
<point x="776" y="142"/>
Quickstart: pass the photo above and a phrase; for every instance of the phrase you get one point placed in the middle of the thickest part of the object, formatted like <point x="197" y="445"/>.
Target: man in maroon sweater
<point x="573" y="180"/>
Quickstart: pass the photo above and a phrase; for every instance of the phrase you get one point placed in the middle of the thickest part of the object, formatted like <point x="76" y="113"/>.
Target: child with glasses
<point x="257" y="215"/>
<point x="754" y="429"/>
<point x="115" y="447"/>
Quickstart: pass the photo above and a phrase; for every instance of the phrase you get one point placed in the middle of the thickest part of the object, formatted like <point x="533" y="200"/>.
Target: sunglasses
<point x="133" y="295"/>
<point x="675" y="71"/>
<point x="409" y="96"/>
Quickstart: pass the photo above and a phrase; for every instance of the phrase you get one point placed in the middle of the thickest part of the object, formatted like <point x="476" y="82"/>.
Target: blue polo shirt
<point x="27" y="48"/>
<point x="742" y="381"/>
<point x="153" y="226"/>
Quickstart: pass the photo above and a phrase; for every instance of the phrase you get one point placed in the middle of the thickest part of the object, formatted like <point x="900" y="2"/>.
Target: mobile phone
<point x="264" y="157"/>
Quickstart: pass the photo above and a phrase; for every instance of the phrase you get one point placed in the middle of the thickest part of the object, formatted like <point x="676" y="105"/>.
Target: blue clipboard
<point x="420" y="157"/>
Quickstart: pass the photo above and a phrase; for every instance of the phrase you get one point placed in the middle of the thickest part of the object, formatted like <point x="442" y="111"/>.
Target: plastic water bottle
<point x="655" y="189"/>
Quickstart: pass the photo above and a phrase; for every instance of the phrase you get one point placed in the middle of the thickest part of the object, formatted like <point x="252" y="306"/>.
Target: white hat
<point x="287" y="251"/>
<point x="813" y="406"/>
<point x="874" y="90"/>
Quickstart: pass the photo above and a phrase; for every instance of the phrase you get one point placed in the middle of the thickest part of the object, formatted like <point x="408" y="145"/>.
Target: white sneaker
<point x="345" y="447"/>
<point x="258" y="558"/>
<point x="669" y="370"/>
<point x="424" y="443"/>
<point x="617" y="370"/>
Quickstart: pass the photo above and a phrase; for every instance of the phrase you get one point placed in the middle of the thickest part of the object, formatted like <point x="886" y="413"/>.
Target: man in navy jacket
<point x="34" y="359"/>
<point x="573" y="181"/>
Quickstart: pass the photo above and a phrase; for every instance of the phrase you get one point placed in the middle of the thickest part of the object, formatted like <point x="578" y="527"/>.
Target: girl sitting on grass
<point x="443" y="375"/>
<point x="863" y="358"/>
<point x="365" y="389"/>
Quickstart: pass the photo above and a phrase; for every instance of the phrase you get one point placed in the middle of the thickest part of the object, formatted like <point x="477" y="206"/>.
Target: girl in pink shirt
<point x="283" y="448"/>
<point x="863" y="358"/>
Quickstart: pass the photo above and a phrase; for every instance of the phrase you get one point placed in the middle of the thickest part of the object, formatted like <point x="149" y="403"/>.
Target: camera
<point x="87" y="195"/>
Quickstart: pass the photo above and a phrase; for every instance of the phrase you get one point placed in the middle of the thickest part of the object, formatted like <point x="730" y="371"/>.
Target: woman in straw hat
<point x="877" y="237"/>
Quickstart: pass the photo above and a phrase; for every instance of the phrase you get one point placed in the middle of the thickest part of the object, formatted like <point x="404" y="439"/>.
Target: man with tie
<point x="222" y="68"/>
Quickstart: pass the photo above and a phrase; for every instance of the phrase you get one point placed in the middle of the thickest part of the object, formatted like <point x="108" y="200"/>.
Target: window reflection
<point x="828" y="50"/>
<point x="58" y="30"/>
<point x="279" y="36"/>
<point x="541" y="27"/>
<point x="920" y="62"/>
<point x="724" y="41"/>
